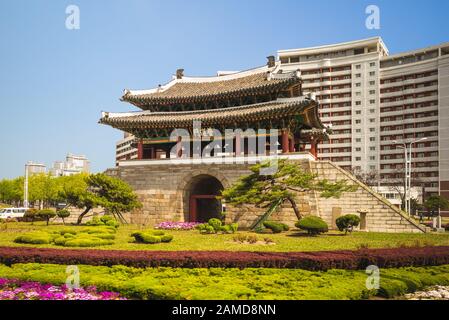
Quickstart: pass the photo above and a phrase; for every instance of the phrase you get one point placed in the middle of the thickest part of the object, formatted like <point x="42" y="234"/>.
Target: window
<point x="372" y="167"/>
<point x="358" y="158"/>
<point x="358" y="75"/>
<point x="372" y="64"/>
<point x="372" y="91"/>
<point x="372" y="120"/>
<point x="358" y="93"/>
<point x="372" y="157"/>
<point x="372" y="129"/>
<point x="372" y="139"/>
<point x="358" y="103"/>
<point x="372" y="73"/>
<point x="358" y="121"/>
<point x="358" y="140"/>
<point x="358" y="130"/>
<point x="372" y="110"/>
<point x="372" y="148"/>
<point x="372" y="101"/>
<point x="358" y="66"/>
<point x="358" y="112"/>
<point x="372" y="83"/>
<point x="358" y="149"/>
<point x="358" y="84"/>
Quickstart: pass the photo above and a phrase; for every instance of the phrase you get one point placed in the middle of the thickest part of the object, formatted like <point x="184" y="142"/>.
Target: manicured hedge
<point x="323" y="260"/>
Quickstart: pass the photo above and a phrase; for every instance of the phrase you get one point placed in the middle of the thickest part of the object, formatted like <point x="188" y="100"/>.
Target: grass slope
<point x="288" y="241"/>
<point x="215" y="283"/>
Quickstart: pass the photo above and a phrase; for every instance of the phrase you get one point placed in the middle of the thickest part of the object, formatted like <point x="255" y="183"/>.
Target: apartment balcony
<point x="409" y="121"/>
<point x="338" y="109"/>
<point x="408" y="111"/>
<point x="407" y="82"/>
<point x="409" y="101"/>
<point x="247" y="159"/>
<point x="409" y="91"/>
<point x="415" y="149"/>
<point x="401" y="161"/>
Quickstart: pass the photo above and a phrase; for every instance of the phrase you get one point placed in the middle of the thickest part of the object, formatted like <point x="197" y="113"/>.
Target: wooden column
<point x="238" y="145"/>
<point x="313" y="148"/>
<point x="284" y="141"/>
<point x="140" y="150"/>
<point x="179" y="147"/>
<point x="291" y="146"/>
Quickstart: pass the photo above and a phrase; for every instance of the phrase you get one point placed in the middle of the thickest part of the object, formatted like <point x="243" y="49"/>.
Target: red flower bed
<point x="321" y="260"/>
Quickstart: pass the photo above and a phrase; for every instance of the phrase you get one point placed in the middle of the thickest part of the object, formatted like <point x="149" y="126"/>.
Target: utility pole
<point x="408" y="172"/>
<point x="25" y="188"/>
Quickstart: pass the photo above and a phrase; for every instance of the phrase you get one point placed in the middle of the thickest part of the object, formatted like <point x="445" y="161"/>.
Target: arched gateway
<point x="201" y="194"/>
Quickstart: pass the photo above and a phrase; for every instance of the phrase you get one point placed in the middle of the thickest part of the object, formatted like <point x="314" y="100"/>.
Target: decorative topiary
<point x="46" y="214"/>
<point x="35" y="237"/>
<point x="312" y="224"/>
<point x="276" y="227"/>
<point x="347" y="222"/>
<point x="215" y="223"/>
<point x="106" y="220"/>
<point x="64" y="213"/>
<point x="151" y="237"/>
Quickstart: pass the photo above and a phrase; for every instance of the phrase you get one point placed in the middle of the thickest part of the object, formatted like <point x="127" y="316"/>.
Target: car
<point x="8" y="213"/>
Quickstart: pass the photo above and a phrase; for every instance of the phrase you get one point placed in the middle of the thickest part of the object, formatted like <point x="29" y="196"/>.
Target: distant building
<point x="36" y="168"/>
<point x="393" y="194"/>
<point x="73" y="164"/>
<point x="125" y="148"/>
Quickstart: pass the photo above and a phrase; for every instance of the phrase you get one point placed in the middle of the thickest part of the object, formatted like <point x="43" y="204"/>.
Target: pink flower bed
<point x="11" y="289"/>
<point x="168" y="225"/>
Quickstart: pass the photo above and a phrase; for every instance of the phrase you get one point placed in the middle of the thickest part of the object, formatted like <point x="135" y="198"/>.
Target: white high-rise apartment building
<point x="73" y="164"/>
<point x="372" y="98"/>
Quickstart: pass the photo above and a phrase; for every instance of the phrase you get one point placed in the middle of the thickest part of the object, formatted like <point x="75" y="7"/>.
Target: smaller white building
<point x="35" y="168"/>
<point x="393" y="194"/>
<point x="73" y="164"/>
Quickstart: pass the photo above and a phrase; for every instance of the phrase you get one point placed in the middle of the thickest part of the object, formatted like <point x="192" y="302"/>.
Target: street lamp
<point x="408" y="170"/>
<point x="25" y="188"/>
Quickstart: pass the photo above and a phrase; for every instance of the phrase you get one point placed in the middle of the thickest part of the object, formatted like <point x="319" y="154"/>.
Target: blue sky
<point x="54" y="82"/>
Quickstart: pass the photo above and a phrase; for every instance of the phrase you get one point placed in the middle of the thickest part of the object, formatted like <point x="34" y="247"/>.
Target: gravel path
<point x="432" y="293"/>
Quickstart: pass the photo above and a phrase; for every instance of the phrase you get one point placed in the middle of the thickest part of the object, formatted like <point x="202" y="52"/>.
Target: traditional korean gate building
<point x="198" y="135"/>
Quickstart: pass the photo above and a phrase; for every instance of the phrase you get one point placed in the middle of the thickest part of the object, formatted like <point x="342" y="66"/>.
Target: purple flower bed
<point x="168" y="225"/>
<point x="11" y="289"/>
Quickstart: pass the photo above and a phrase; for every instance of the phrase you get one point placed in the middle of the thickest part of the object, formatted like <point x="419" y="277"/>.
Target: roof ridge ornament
<point x="271" y="61"/>
<point x="179" y="73"/>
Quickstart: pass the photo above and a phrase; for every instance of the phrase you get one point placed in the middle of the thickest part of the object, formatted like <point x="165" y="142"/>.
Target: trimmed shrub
<point x="347" y="222"/>
<point x="35" y="237"/>
<point x="46" y="214"/>
<point x="106" y="220"/>
<point x="315" y="261"/>
<point x="312" y="224"/>
<point x="151" y="237"/>
<point x="64" y="213"/>
<point x="215" y="223"/>
<point x="276" y="227"/>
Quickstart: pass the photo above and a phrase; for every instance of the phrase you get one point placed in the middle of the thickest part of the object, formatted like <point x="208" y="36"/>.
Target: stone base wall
<point x="163" y="190"/>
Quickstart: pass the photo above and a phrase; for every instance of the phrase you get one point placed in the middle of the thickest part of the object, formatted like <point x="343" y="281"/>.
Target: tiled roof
<point x="281" y="109"/>
<point x="191" y="90"/>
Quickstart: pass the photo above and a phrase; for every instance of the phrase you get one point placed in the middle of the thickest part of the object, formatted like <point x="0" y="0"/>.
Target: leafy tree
<point x="75" y="192"/>
<point x="113" y="194"/>
<point x="44" y="188"/>
<point x="11" y="190"/>
<point x="89" y="191"/>
<point x="64" y="213"/>
<point x="435" y="203"/>
<point x="46" y="214"/>
<point x="347" y="222"/>
<point x="264" y="190"/>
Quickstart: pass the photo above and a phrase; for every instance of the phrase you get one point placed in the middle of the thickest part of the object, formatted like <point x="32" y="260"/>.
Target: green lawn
<point x="289" y="241"/>
<point x="215" y="283"/>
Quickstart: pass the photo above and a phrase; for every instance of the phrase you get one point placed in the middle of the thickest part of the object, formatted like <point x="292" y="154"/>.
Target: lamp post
<point x="407" y="146"/>
<point x="25" y="188"/>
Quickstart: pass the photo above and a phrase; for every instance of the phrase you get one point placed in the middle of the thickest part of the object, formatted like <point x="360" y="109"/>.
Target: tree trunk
<point x="81" y="216"/>
<point x="295" y="207"/>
